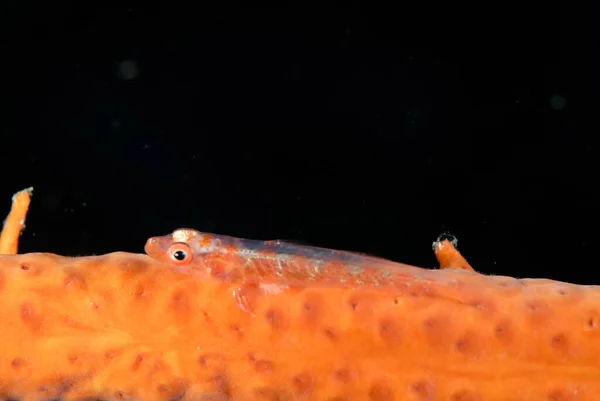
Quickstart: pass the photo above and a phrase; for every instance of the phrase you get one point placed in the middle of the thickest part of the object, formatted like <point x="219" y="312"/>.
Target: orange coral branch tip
<point x="448" y="256"/>
<point x="15" y="222"/>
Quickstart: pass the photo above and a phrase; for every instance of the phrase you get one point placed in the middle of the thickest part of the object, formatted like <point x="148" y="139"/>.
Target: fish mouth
<point x="152" y="247"/>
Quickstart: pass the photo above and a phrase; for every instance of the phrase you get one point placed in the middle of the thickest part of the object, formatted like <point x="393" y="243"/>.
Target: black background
<point x="351" y="127"/>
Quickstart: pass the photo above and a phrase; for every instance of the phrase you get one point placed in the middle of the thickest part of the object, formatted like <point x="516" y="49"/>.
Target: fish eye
<point x="180" y="253"/>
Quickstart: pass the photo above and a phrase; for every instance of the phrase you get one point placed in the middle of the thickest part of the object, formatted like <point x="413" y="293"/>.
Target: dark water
<point x="372" y="130"/>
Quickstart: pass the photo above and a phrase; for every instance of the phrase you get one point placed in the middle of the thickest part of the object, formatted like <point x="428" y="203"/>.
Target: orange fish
<point x="210" y="317"/>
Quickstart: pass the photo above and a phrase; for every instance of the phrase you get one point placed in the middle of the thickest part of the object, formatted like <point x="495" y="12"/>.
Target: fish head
<point x="183" y="247"/>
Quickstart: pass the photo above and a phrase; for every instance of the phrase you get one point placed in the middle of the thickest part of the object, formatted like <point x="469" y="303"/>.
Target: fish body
<point x="208" y="317"/>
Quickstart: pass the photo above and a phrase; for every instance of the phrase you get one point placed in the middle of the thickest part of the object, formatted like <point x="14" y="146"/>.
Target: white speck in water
<point x="557" y="102"/>
<point x="127" y="69"/>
